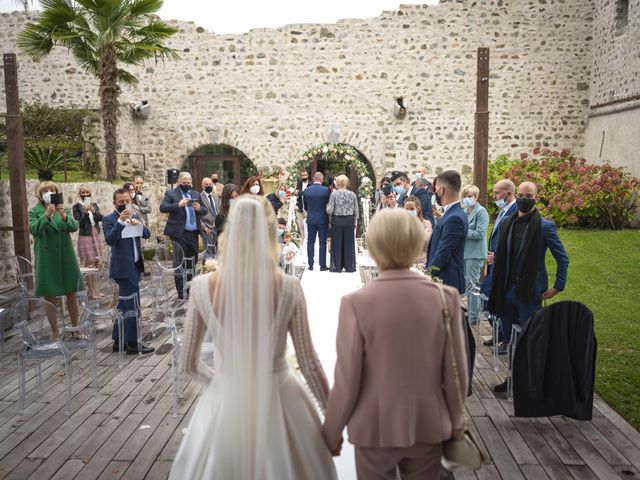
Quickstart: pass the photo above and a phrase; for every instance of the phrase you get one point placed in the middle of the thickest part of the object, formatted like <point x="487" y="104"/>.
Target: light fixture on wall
<point x="142" y="109"/>
<point x="399" y="108"/>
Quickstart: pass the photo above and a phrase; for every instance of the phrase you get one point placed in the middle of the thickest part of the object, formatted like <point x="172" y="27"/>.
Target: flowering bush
<point x="573" y="192"/>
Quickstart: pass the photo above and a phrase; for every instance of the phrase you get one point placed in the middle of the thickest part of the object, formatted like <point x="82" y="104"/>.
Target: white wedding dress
<point x="292" y="447"/>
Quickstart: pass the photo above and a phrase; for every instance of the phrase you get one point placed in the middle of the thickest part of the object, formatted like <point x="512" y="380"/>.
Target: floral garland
<point x="336" y="152"/>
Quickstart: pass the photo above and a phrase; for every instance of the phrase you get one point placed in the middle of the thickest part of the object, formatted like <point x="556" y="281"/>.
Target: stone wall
<point x="102" y="194"/>
<point x="272" y="93"/>
<point x="613" y="132"/>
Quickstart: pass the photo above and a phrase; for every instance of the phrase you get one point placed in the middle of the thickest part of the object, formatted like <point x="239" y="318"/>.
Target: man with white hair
<point x="185" y="209"/>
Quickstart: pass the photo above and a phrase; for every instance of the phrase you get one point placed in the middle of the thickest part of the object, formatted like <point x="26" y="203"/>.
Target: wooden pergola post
<point x="481" y="133"/>
<point x="15" y="150"/>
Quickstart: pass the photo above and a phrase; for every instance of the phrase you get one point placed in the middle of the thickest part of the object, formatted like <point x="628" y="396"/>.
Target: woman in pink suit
<point x="394" y="380"/>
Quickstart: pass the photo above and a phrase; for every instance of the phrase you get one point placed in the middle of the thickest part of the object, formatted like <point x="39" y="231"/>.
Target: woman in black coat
<point x="88" y="216"/>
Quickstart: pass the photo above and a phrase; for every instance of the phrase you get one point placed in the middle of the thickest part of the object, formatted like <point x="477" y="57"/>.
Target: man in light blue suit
<point x="445" y="256"/>
<point x="520" y="281"/>
<point x="315" y="201"/>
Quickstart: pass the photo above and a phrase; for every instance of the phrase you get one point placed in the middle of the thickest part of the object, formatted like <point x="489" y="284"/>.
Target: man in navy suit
<point x="401" y="187"/>
<point x="520" y="281"/>
<point x="504" y="196"/>
<point x="445" y="256"/>
<point x="315" y="201"/>
<point x="185" y="207"/>
<point x="126" y="266"/>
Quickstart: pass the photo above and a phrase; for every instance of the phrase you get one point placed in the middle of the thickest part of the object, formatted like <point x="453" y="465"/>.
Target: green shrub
<point x="45" y="160"/>
<point x="573" y="192"/>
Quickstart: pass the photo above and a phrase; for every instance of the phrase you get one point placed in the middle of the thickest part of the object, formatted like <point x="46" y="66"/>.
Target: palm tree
<point x="102" y="34"/>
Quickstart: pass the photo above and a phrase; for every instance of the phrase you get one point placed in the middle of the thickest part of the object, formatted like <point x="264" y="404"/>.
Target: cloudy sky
<point x="238" y="16"/>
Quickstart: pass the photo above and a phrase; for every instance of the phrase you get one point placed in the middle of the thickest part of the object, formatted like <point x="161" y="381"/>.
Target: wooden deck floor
<point x="125" y="429"/>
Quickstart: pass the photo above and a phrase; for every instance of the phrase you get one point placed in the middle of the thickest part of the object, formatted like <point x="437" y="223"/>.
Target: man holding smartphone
<point x="185" y="209"/>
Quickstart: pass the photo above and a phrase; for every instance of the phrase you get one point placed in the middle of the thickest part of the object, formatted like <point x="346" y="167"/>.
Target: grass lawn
<point x="604" y="275"/>
<point x="73" y="176"/>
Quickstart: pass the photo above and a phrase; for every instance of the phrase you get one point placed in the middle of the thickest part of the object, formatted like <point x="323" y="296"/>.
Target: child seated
<point x="288" y="253"/>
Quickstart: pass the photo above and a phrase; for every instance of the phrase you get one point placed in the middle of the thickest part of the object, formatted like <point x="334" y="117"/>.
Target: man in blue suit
<point x="185" y="209"/>
<point x="445" y="256"/>
<point x="520" y="281"/>
<point x="504" y="196"/>
<point x="126" y="266"/>
<point x="315" y="201"/>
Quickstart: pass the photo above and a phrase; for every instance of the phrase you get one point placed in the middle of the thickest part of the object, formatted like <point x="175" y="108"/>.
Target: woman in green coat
<point x="56" y="267"/>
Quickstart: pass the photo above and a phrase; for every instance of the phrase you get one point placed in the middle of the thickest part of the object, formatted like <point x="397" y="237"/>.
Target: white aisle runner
<point x="323" y="291"/>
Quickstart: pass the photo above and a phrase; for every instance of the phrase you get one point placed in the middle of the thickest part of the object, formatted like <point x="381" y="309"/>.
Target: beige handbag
<point x="465" y="451"/>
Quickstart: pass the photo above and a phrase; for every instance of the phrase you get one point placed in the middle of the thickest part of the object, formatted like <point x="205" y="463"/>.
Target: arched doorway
<point x="231" y="164"/>
<point x="333" y="159"/>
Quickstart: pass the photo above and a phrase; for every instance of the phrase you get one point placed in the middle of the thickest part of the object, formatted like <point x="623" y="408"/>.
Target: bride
<point x="254" y="419"/>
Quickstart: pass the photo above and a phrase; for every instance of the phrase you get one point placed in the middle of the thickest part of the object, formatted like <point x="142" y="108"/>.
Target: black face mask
<point x="304" y="179"/>
<point x="214" y="180"/>
<point x="438" y="198"/>
<point x="185" y="188"/>
<point x="121" y="208"/>
<point x="84" y="197"/>
<point x="208" y="188"/>
<point x="525" y="205"/>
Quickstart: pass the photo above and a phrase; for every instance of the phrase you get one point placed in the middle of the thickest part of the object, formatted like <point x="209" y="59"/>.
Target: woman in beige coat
<point x="394" y="380"/>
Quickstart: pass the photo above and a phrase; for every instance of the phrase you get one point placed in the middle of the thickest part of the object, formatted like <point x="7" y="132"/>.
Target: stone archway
<point x="230" y="163"/>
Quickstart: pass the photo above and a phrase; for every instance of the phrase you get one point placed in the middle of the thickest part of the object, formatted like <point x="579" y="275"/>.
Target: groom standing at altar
<point x="315" y="201"/>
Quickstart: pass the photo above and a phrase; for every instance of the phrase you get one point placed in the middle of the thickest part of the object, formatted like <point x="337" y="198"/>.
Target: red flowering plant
<point x="573" y="192"/>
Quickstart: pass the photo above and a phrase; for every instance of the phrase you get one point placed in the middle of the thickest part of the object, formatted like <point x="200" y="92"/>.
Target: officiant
<point x="122" y="231"/>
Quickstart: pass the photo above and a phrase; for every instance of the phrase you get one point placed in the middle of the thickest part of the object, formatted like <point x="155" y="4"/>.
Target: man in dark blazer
<point x="185" y="209"/>
<point x="520" y="281"/>
<point x="208" y="220"/>
<point x="421" y="189"/>
<point x="126" y="265"/>
<point x="504" y="196"/>
<point x="445" y="256"/>
<point x="315" y="201"/>
<point x="401" y="187"/>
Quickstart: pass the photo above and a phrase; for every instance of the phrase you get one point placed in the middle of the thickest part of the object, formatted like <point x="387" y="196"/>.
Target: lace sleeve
<point x="305" y="353"/>
<point x="194" y="330"/>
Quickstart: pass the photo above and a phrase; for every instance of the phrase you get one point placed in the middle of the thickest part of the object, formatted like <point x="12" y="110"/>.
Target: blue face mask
<point x="413" y="213"/>
<point x="231" y="200"/>
<point x="500" y="203"/>
<point x="469" y="202"/>
<point x="282" y="193"/>
<point x="399" y="189"/>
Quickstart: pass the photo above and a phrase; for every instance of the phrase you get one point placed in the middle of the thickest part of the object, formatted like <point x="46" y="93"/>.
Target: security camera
<point x="142" y="109"/>
<point x="400" y="108"/>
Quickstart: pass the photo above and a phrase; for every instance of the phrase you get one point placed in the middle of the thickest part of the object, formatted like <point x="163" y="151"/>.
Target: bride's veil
<point x="244" y="300"/>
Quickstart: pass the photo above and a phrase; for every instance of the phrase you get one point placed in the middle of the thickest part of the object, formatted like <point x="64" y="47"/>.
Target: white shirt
<point x="447" y="207"/>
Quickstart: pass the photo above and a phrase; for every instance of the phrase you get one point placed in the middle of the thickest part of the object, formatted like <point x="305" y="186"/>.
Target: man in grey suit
<point x="142" y="199"/>
<point x="208" y="220"/>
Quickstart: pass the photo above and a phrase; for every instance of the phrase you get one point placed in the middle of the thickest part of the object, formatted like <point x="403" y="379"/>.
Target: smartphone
<point x="57" y="199"/>
<point x="386" y="190"/>
<point x="191" y="201"/>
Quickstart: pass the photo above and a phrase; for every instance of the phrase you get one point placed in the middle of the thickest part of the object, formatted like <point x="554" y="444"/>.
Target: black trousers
<point x="127" y="286"/>
<point x="343" y="244"/>
<point x="189" y="243"/>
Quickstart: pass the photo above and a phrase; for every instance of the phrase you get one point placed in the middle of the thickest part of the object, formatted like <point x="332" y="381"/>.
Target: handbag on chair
<point x="465" y="451"/>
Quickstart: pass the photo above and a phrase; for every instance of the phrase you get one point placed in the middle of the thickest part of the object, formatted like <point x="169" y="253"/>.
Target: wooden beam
<point x="15" y="151"/>
<point x="481" y="134"/>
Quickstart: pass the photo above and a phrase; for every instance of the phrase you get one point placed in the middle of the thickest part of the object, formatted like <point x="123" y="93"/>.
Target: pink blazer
<point x="394" y="383"/>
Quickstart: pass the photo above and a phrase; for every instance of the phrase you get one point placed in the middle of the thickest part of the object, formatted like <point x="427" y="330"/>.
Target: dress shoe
<point x="324" y="269"/>
<point x="502" y="348"/>
<point x="500" y="388"/>
<point x="310" y="267"/>
<point x="133" y="349"/>
<point x="116" y="347"/>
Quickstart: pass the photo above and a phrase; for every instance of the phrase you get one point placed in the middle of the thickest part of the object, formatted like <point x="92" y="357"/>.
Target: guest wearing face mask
<point x="88" y="216"/>
<point x="217" y="184"/>
<point x="379" y="194"/>
<point x="278" y="198"/>
<point x="131" y="189"/>
<point x="475" y="248"/>
<point x="126" y="266"/>
<point x="282" y="227"/>
<point x="185" y="209"/>
<point x="253" y="185"/>
<point x="142" y="199"/>
<point x="208" y="220"/>
<point x="301" y="213"/>
<point x="520" y="282"/>
<point x="401" y="186"/>
<point x="229" y="194"/>
<point x="55" y="265"/>
<point x="413" y="206"/>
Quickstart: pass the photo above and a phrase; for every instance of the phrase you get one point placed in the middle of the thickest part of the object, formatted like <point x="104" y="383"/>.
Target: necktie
<point x="214" y="211"/>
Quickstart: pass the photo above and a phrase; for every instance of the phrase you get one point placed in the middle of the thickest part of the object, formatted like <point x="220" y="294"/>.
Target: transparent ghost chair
<point x="171" y="262"/>
<point x="24" y="276"/>
<point x="34" y="329"/>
